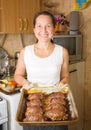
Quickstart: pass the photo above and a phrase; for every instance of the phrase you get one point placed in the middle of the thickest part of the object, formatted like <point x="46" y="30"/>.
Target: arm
<point x="20" y="70"/>
<point x="65" y="68"/>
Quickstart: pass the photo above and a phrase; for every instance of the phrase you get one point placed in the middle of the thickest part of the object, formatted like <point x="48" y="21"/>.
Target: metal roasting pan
<point x="21" y="109"/>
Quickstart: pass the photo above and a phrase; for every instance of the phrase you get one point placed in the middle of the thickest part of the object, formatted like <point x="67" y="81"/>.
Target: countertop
<point x="76" y="61"/>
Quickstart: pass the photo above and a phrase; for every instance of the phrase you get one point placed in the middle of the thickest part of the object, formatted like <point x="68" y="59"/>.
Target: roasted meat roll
<point x="55" y="106"/>
<point x="54" y="100"/>
<point x="35" y="96"/>
<point x="34" y="102"/>
<point x="56" y="95"/>
<point x="45" y="107"/>
<point x="34" y="117"/>
<point x="33" y="110"/>
<point x="56" y="114"/>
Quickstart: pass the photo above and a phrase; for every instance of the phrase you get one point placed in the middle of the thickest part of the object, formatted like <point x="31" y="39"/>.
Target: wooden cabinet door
<point x="77" y="87"/>
<point x="17" y="15"/>
<point x="0" y="14"/>
<point x="8" y="16"/>
<point x="26" y="14"/>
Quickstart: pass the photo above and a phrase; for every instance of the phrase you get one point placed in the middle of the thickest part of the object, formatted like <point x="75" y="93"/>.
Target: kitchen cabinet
<point x="16" y="16"/>
<point x="77" y="88"/>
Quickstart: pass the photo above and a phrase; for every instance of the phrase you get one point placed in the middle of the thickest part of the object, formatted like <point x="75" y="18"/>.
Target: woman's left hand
<point x="59" y="84"/>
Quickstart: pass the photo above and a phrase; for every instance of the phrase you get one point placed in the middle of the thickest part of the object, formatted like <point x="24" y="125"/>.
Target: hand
<point x="59" y="84"/>
<point x="27" y="85"/>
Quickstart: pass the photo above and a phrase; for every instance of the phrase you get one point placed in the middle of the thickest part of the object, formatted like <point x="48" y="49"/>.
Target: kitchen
<point x="14" y="41"/>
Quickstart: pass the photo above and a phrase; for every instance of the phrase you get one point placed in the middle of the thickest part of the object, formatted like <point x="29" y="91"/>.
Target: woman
<point x="44" y="62"/>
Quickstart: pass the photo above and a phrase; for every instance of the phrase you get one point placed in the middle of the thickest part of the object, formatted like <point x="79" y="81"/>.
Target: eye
<point x="38" y="26"/>
<point x="49" y="25"/>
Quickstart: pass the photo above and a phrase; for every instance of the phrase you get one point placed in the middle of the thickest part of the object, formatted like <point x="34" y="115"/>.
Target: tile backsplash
<point x="15" y="42"/>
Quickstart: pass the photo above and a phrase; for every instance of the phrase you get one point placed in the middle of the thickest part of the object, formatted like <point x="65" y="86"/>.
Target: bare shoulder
<point x="65" y="51"/>
<point x="22" y="52"/>
<point x="65" y="54"/>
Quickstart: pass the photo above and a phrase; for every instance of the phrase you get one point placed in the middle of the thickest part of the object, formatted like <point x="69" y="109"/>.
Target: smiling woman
<point x="43" y="29"/>
<point x="44" y="62"/>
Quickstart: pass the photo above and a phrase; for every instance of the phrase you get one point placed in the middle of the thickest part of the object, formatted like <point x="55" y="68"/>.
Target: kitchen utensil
<point x="3" y="62"/>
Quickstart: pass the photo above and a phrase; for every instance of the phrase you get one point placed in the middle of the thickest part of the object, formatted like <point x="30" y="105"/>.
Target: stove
<point x="3" y="114"/>
<point x="12" y="105"/>
<point x="1" y="99"/>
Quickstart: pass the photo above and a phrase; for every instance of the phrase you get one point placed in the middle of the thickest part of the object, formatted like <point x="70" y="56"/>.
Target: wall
<point x="13" y="43"/>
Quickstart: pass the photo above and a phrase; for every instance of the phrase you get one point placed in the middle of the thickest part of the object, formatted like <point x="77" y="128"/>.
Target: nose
<point x="44" y="29"/>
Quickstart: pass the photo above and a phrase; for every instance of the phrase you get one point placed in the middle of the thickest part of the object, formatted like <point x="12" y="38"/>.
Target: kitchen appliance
<point x="74" y="22"/>
<point x="73" y="43"/>
<point x="4" y="62"/>
<point x="12" y="104"/>
<point x="3" y="114"/>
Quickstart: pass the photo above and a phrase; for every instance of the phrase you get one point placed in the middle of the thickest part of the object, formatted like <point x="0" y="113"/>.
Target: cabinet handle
<point x="73" y="71"/>
<point x="21" y="24"/>
<point x="25" y="24"/>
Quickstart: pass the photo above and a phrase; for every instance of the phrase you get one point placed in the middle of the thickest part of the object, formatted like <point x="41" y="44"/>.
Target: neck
<point x="44" y="45"/>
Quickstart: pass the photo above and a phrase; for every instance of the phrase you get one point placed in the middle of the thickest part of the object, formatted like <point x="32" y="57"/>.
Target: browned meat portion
<point x="54" y="100"/>
<point x="42" y="107"/>
<point x="34" y="102"/>
<point x="35" y="96"/>
<point x="56" y="114"/>
<point x="55" y="106"/>
<point x="33" y="110"/>
<point x="55" y="95"/>
<point x="34" y="117"/>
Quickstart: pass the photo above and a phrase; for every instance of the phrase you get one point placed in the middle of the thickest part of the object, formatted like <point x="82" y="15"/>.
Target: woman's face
<point x="44" y="28"/>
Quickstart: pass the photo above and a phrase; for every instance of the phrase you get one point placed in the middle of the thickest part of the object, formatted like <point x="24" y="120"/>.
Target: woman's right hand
<point x="27" y="85"/>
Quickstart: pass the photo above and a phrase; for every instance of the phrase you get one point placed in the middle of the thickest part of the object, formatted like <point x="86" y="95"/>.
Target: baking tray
<point x="7" y="89"/>
<point x="9" y="92"/>
<point x="21" y="109"/>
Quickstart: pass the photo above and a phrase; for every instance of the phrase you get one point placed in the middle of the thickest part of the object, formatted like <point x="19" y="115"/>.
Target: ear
<point x="34" y="30"/>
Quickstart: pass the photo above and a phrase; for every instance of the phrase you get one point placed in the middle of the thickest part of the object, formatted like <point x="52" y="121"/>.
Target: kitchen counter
<point x="12" y="101"/>
<point x="77" y="78"/>
<point x="76" y="61"/>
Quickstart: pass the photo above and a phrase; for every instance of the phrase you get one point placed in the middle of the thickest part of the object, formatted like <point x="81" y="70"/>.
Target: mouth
<point x="44" y="35"/>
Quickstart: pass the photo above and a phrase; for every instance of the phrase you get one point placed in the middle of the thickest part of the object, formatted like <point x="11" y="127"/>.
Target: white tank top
<point x="44" y="71"/>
